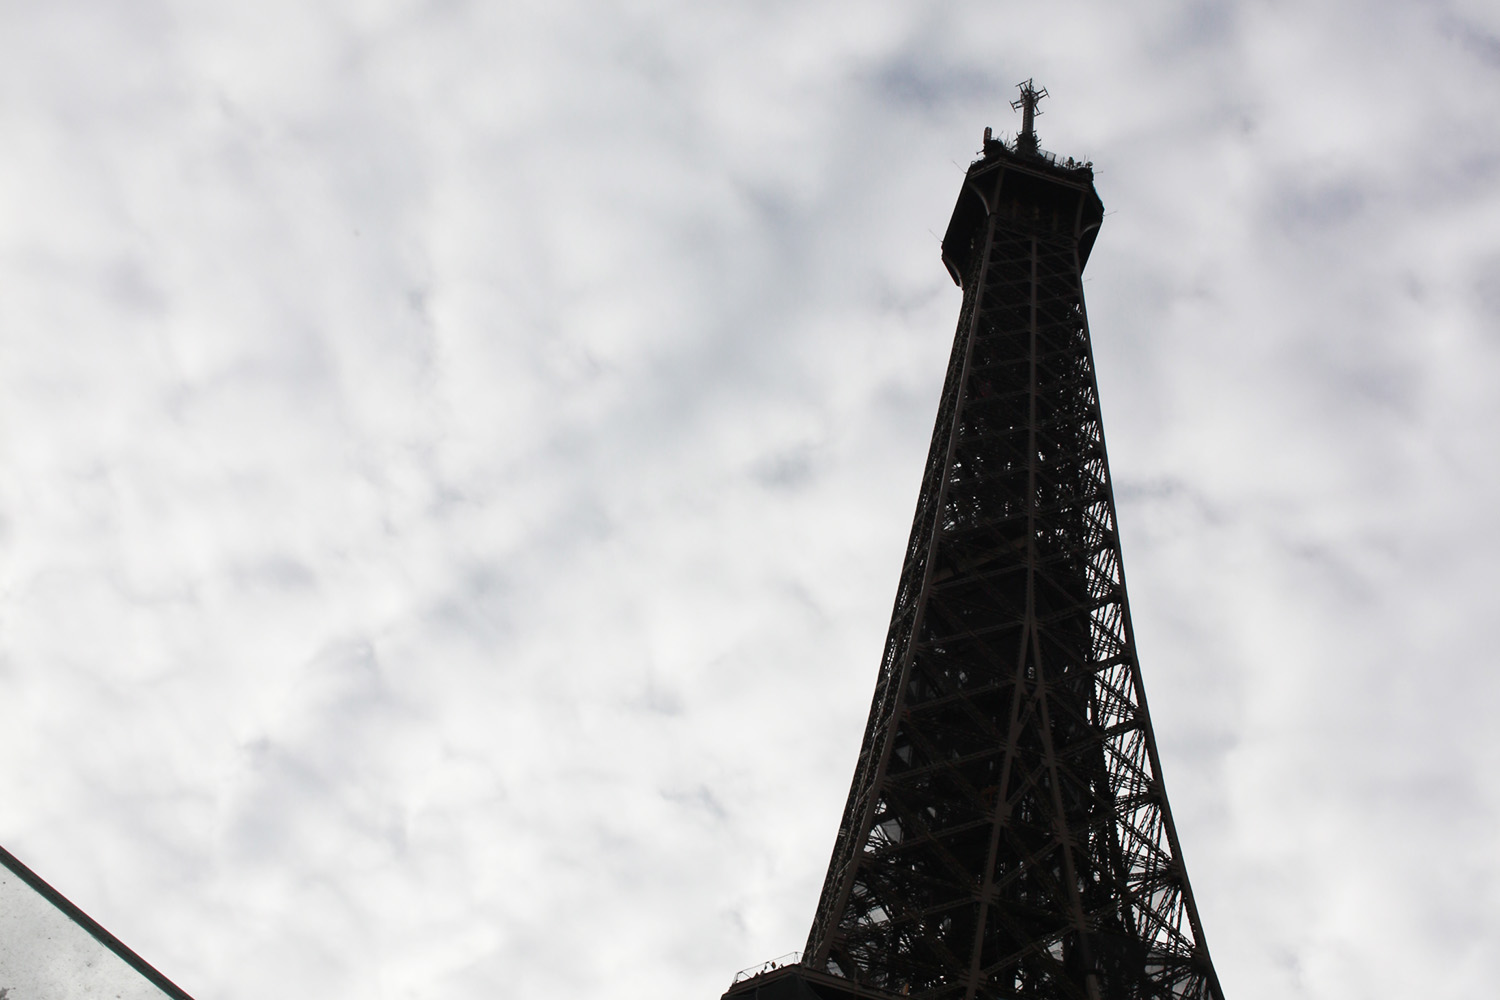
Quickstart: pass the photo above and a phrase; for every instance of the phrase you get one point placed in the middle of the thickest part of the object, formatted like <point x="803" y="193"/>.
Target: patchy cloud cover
<point x="457" y="459"/>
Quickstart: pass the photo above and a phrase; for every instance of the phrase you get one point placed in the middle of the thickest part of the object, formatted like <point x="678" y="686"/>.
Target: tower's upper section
<point x="1029" y="188"/>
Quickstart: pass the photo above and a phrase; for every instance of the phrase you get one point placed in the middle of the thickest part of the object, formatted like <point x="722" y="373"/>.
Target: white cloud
<point x="458" y="459"/>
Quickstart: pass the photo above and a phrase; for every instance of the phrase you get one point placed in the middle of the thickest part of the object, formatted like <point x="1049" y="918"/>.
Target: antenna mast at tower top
<point x="1026" y="142"/>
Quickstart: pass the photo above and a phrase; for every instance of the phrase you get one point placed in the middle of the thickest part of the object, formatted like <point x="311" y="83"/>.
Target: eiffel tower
<point x="1007" y="833"/>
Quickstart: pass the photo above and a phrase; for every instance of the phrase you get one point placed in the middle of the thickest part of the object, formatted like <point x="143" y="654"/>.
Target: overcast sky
<point x="455" y="462"/>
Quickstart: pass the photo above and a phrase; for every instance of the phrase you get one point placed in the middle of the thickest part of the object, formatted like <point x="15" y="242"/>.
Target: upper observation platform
<point x="1028" y="188"/>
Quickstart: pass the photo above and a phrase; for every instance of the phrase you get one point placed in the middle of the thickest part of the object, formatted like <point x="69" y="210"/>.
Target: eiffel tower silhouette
<point x="1007" y="833"/>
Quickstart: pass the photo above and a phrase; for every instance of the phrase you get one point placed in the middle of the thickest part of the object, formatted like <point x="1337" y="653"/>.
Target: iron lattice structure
<point x="1007" y="833"/>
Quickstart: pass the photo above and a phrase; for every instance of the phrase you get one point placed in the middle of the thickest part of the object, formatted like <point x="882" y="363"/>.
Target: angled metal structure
<point x="51" y="949"/>
<point x="1007" y="833"/>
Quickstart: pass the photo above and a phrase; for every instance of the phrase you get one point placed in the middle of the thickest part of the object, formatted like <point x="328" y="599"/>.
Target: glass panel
<point x="51" y="950"/>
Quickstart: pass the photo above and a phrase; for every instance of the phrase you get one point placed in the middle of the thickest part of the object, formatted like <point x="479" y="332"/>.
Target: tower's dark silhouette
<point x="1007" y="833"/>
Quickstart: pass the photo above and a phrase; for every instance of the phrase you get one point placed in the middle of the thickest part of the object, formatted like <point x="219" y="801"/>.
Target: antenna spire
<point x="1026" y="142"/>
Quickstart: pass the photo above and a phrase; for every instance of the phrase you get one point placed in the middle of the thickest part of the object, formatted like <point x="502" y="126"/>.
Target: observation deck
<point x="1028" y="186"/>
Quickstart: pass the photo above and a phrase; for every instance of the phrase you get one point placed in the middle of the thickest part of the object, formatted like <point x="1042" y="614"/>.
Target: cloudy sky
<point x="455" y="460"/>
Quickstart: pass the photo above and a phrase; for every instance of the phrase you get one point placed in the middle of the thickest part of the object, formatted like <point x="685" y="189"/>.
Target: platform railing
<point x="769" y="965"/>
